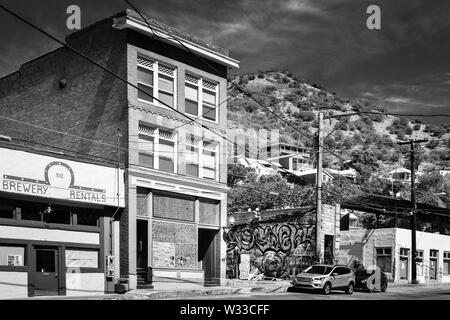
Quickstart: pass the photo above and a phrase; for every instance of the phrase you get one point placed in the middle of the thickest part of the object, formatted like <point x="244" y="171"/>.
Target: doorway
<point x="208" y="256"/>
<point x="46" y="271"/>
<point x="329" y="252"/>
<point x="433" y="264"/>
<point x="404" y="263"/>
<point x="142" y="251"/>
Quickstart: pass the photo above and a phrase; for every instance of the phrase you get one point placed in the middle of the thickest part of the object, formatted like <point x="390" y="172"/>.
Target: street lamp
<point x="5" y="138"/>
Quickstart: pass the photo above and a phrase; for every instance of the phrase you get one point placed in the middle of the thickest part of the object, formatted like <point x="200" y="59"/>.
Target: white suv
<point x="326" y="278"/>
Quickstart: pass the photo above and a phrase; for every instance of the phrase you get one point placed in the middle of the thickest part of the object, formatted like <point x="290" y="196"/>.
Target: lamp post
<point x="5" y="138"/>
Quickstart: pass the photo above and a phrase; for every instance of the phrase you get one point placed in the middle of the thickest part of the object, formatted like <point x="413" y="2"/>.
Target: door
<point x="208" y="256"/>
<point x="46" y="277"/>
<point x="329" y="252"/>
<point x="339" y="280"/>
<point x="142" y="251"/>
<point x="404" y="265"/>
<point x="433" y="269"/>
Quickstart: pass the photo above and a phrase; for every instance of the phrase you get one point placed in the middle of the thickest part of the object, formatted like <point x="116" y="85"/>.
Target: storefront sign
<point x="32" y="174"/>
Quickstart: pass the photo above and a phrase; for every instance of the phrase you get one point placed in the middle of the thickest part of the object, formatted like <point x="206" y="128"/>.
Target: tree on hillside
<point x="270" y="192"/>
<point x="236" y="173"/>
<point x="434" y="189"/>
<point x="365" y="163"/>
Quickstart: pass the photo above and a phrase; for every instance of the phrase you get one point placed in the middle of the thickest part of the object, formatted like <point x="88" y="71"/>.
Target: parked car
<point x="371" y="280"/>
<point x="322" y="277"/>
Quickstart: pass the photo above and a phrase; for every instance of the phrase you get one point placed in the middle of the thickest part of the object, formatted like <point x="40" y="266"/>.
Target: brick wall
<point x="92" y="105"/>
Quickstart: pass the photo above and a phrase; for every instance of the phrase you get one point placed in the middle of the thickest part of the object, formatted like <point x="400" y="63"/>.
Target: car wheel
<point x="384" y="287"/>
<point x="350" y="288"/>
<point x="326" y="288"/>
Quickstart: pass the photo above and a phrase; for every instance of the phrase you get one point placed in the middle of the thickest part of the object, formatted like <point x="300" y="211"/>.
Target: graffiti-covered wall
<point x="273" y="246"/>
<point x="281" y="242"/>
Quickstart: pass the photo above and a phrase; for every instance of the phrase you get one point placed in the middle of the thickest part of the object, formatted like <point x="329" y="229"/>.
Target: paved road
<point x="399" y="293"/>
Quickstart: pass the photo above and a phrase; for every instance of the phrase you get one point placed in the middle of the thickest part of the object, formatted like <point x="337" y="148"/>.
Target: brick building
<point x="55" y="223"/>
<point x="175" y="169"/>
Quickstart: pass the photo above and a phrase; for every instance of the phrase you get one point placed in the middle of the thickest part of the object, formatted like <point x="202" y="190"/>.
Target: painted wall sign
<point x="32" y="174"/>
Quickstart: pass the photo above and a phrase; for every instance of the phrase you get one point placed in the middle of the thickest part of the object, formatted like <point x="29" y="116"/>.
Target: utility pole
<point x="319" y="234"/>
<point x="414" y="207"/>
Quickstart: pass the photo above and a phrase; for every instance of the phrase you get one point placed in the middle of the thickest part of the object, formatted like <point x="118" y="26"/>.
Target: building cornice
<point x="128" y="22"/>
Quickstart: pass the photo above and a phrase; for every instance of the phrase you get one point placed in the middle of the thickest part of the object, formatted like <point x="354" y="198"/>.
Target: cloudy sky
<point x="404" y="67"/>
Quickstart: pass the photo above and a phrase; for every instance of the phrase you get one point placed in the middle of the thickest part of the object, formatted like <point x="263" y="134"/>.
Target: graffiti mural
<point x="276" y="250"/>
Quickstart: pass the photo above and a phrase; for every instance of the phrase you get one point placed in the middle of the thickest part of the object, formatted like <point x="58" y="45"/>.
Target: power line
<point x="108" y="71"/>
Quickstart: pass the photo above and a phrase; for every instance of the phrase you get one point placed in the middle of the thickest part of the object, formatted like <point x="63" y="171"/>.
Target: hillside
<point x="299" y="101"/>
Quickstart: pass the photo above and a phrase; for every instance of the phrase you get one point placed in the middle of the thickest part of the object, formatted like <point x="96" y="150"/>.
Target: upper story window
<point x="157" y="148"/>
<point x="158" y="80"/>
<point x="201" y="97"/>
<point x="201" y="158"/>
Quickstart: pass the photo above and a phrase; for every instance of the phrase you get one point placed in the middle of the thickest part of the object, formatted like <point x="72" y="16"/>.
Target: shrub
<point x="417" y="127"/>
<point x="307" y="116"/>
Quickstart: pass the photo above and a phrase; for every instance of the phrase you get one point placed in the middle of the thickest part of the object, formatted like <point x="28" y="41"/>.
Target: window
<point x="209" y="160"/>
<point x="31" y="213"/>
<point x="6" y="212"/>
<point x="192" y="155"/>
<point x="434" y="253"/>
<point x="384" y="251"/>
<point x="87" y="218"/>
<point x="404" y="252"/>
<point x="384" y="259"/>
<point x="173" y="206"/>
<point x="419" y="262"/>
<point x="201" y="97"/>
<point x="201" y="157"/>
<point x="158" y="80"/>
<point x="446" y="263"/>
<point x="341" y="270"/>
<point x="318" y="270"/>
<point x="76" y="258"/>
<point x="12" y="255"/>
<point x="59" y="216"/>
<point x="157" y="148"/>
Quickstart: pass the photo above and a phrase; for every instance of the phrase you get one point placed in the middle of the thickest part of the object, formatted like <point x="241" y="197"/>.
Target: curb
<point x="201" y="292"/>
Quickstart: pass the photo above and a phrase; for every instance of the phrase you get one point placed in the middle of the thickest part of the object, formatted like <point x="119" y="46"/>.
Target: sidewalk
<point x="231" y="287"/>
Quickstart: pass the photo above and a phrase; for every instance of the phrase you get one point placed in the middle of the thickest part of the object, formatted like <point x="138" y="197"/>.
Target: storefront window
<point x="81" y="258"/>
<point x="87" y="219"/>
<point x="58" y="216"/>
<point x="6" y="212"/>
<point x="32" y="214"/>
<point x="12" y="255"/>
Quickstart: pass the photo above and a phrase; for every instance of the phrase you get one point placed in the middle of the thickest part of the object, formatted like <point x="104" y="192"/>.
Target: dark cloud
<point x="404" y="66"/>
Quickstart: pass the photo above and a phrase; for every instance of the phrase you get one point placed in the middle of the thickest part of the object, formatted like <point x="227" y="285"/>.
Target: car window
<point x="318" y="269"/>
<point x="341" y="270"/>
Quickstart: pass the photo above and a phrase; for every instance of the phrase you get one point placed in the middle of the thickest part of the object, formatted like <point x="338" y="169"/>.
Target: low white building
<point x="390" y="250"/>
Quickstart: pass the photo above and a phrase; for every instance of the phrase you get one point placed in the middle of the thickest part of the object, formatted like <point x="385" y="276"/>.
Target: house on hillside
<point x="399" y="175"/>
<point x="261" y="167"/>
<point x="375" y="232"/>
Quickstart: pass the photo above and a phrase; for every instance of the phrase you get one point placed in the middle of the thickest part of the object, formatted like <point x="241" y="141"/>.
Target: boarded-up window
<point x="173" y="206"/>
<point x="81" y="259"/>
<point x="174" y="245"/>
<point x="209" y="211"/>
